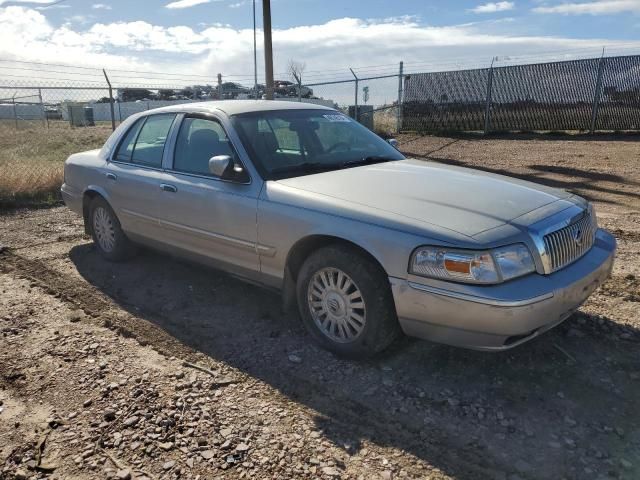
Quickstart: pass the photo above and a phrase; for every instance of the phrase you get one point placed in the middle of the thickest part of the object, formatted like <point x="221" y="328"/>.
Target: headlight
<point x="493" y="266"/>
<point x="514" y="261"/>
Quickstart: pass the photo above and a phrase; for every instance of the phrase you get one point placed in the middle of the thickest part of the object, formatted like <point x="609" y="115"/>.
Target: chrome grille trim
<point x="568" y="244"/>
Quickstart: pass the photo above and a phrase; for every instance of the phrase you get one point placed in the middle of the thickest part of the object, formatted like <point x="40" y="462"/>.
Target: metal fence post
<point x="355" y="112"/>
<point x="45" y="120"/>
<point x="113" y="115"/>
<point x="219" y="86"/>
<point x="598" y="93"/>
<point x="15" y="110"/>
<point x="487" y="108"/>
<point x="400" y="88"/>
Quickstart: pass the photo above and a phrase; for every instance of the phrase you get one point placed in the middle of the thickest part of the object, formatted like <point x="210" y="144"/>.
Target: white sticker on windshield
<point x="336" y="118"/>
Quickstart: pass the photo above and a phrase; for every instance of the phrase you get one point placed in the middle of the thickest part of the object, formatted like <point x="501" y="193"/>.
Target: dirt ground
<point x="98" y="374"/>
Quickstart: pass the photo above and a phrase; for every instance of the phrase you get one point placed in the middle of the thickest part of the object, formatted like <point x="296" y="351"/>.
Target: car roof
<point x="235" y="107"/>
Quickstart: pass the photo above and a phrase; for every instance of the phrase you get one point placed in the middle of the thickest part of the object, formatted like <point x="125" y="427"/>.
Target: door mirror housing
<point x="220" y="167"/>
<point x="394" y="143"/>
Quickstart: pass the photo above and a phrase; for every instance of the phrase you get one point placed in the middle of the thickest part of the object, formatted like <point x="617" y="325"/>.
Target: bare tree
<point x="296" y="70"/>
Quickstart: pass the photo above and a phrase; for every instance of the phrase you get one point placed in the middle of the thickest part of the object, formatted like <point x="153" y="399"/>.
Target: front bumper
<point x="499" y="317"/>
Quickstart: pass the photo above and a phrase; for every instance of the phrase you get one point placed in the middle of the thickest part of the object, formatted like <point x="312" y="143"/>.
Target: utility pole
<point x="268" y="50"/>
<point x="255" y="54"/>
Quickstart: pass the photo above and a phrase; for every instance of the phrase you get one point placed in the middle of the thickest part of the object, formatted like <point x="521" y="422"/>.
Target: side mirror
<point x="394" y="143"/>
<point x="219" y="166"/>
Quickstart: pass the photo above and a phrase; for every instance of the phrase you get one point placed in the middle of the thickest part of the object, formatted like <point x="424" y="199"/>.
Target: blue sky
<point x="617" y="25"/>
<point x="200" y="37"/>
<point x="616" y="20"/>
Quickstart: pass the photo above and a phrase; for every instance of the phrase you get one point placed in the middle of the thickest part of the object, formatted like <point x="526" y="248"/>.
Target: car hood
<point x="466" y="201"/>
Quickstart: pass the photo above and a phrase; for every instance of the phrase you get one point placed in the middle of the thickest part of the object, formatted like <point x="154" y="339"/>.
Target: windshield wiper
<point x="367" y="161"/>
<point x="305" y="167"/>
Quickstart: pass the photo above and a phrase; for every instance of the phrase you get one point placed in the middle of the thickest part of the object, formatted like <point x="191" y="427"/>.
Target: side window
<point x="151" y="139"/>
<point x="128" y="142"/>
<point x="200" y="139"/>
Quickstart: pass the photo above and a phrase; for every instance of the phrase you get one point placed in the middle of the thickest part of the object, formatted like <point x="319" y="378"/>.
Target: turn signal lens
<point x="457" y="266"/>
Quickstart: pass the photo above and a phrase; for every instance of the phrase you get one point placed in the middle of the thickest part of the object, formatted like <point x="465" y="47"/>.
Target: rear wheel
<point x="107" y="233"/>
<point x="346" y="303"/>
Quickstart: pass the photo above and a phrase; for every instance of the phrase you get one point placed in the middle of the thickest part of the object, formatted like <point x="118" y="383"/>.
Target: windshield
<point x="289" y="143"/>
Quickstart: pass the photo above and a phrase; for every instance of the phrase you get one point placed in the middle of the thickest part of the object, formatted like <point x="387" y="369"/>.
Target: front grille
<point x="568" y="244"/>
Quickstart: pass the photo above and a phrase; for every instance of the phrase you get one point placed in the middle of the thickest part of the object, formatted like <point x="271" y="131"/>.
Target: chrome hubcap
<point x="336" y="305"/>
<point x="103" y="228"/>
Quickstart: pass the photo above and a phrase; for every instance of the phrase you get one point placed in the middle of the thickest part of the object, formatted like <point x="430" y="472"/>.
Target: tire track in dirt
<point x="626" y="235"/>
<point x="627" y="288"/>
<point x="98" y="308"/>
<point x="352" y="417"/>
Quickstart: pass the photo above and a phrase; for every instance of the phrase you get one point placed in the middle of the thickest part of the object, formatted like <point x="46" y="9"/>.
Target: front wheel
<point x="345" y="302"/>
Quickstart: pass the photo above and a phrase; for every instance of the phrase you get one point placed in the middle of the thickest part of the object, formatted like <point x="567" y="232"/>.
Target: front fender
<point x="281" y="227"/>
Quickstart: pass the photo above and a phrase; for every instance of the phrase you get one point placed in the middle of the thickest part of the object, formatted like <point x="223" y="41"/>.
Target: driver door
<point x="205" y="214"/>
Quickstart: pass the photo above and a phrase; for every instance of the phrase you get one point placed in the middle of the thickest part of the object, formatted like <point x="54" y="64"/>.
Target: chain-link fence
<point x="372" y="100"/>
<point x="582" y="95"/>
<point x="41" y="124"/>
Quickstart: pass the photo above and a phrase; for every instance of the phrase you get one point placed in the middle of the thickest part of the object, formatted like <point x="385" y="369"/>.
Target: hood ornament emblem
<point x="577" y="236"/>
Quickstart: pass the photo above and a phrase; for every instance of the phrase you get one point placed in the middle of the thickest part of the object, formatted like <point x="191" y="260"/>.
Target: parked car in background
<point x="52" y="113"/>
<point x="368" y="243"/>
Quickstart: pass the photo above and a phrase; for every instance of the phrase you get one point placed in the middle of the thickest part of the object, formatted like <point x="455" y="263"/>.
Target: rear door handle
<point x="168" y="188"/>
<point x="111" y="176"/>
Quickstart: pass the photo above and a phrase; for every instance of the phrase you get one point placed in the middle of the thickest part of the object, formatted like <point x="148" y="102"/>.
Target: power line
<point x="311" y="76"/>
<point x="110" y="69"/>
<point x="47" y="71"/>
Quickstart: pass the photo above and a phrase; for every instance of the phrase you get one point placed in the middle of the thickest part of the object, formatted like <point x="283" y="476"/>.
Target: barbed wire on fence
<point x="586" y="94"/>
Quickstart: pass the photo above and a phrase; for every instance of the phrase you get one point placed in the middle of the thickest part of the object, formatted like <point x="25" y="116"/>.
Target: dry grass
<point x="32" y="158"/>
<point x="385" y="122"/>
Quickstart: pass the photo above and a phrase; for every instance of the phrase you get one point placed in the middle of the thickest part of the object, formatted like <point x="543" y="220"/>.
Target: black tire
<point x="381" y="326"/>
<point x="121" y="248"/>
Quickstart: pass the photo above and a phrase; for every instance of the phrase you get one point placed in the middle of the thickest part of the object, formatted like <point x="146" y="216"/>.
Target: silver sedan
<point x="367" y="243"/>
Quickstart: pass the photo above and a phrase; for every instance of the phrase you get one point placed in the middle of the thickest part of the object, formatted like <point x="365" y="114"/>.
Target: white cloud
<point x="41" y="2"/>
<point x="101" y="6"/>
<point x="599" y="7"/>
<point x="185" y="3"/>
<point x="27" y="35"/>
<point x="493" y="7"/>
<point x="44" y="4"/>
<point x="239" y="4"/>
<point x="81" y="19"/>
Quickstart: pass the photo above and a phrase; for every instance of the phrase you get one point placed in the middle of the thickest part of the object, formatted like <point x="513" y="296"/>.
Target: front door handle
<point x="168" y="188"/>
<point x="111" y="176"/>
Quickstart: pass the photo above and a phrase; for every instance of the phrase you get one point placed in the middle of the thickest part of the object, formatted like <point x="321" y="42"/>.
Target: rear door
<point x="202" y="213"/>
<point x="134" y="173"/>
